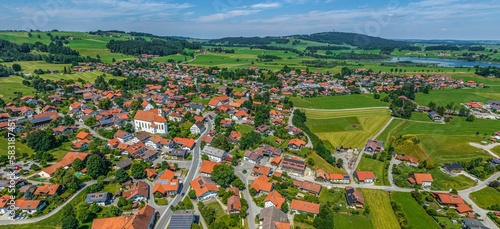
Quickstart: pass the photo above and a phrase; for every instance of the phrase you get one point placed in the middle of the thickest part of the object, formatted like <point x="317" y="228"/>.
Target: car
<point x="17" y="167"/>
<point x="25" y="165"/>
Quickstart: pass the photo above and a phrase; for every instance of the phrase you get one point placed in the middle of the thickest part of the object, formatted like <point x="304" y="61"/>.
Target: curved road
<point x="290" y="123"/>
<point x="486" y="148"/>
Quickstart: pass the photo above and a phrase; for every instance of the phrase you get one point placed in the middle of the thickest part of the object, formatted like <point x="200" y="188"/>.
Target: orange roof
<point x="200" y="187"/>
<point x="282" y="225"/>
<point x="66" y="161"/>
<point x="171" y="185"/>
<point x="150" y="172"/>
<point x="82" y="135"/>
<point x="276" y="160"/>
<point x="207" y="166"/>
<point x="149" y="116"/>
<point x="167" y="175"/>
<point x="422" y="177"/>
<point x="276" y="198"/>
<point x="463" y="208"/>
<point x="363" y="175"/>
<point x="137" y="221"/>
<point x="4" y="201"/>
<point x="304" y="206"/>
<point x="261" y="169"/>
<point x="448" y="198"/>
<point x="262" y="184"/>
<point x="27" y="204"/>
<point x="47" y="189"/>
<point x="187" y="142"/>
<point x="297" y="142"/>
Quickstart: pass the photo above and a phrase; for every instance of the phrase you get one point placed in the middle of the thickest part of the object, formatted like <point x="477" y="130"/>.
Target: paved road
<point x="34" y="220"/>
<point x="82" y="125"/>
<point x="253" y="210"/>
<point x="389" y="172"/>
<point x="290" y="123"/>
<point x="165" y="216"/>
<point x="486" y="148"/>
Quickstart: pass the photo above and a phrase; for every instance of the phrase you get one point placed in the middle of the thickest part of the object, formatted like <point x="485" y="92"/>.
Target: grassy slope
<point x="320" y="163"/>
<point x="496" y="150"/>
<point x="381" y="212"/>
<point x="415" y="214"/>
<point x="443" y="181"/>
<point x="377" y="167"/>
<point x="338" y="102"/>
<point x="486" y="197"/>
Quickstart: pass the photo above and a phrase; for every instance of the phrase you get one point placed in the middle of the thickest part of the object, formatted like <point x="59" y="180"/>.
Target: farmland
<point x="377" y="167"/>
<point x="352" y="221"/>
<point x="348" y="128"/>
<point x="381" y="213"/>
<point x="414" y="213"/>
<point x="458" y="96"/>
<point x="486" y="197"/>
<point x="338" y="102"/>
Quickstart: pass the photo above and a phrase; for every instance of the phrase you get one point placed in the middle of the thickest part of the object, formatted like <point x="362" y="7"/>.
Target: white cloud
<point x="265" y="5"/>
<point x="225" y="15"/>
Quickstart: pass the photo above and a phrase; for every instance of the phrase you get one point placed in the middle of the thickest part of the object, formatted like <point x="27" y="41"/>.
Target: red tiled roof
<point x="305" y="206"/>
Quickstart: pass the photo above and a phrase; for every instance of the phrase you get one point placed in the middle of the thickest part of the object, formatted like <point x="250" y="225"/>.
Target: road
<point x="82" y="125"/>
<point x="34" y="220"/>
<point x="253" y="210"/>
<point x="389" y="172"/>
<point x="486" y="148"/>
<point x="290" y="123"/>
<point x="195" y="165"/>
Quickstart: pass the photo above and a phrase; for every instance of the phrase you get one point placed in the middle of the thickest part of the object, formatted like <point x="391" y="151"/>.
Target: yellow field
<point x="381" y="212"/>
<point x="371" y="121"/>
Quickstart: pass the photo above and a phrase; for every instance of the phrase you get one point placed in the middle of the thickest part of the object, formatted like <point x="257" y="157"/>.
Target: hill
<point x="354" y="39"/>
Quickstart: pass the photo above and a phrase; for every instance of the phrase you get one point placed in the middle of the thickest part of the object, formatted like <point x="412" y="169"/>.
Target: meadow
<point x="458" y="96"/>
<point x="445" y="182"/>
<point x="486" y="197"/>
<point x="414" y="213"/>
<point x="320" y="163"/>
<point x="377" y="167"/>
<point x="496" y="150"/>
<point x="336" y="126"/>
<point x="351" y="221"/>
<point x="338" y="102"/>
<point x="381" y="213"/>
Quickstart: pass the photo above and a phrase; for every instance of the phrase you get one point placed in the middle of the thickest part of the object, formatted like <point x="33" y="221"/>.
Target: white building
<point x="214" y="154"/>
<point x="151" y="121"/>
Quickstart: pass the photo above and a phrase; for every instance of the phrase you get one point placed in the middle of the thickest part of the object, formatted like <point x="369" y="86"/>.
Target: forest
<point x="160" y="47"/>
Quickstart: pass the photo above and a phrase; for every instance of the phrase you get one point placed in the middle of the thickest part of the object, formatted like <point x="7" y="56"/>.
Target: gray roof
<point x="98" y="197"/>
<point x="213" y="151"/>
<point x="270" y="215"/>
<point x="125" y="163"/>
<point x="181" y="220"/>
<point x="473" y="224"/>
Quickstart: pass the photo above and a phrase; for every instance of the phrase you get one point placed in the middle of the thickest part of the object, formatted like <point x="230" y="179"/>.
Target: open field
<point x="20" y="147"/>
<point x="445" y="182"/>
<point x="381" y="213"/>
<point x="443" y="97"/>
<point x="377" y="167"/>
<point x="414" y="213"/>
<point x="351" y="221"/>
<point x="496" y="150"/>
<point x="336" y="126"/>
<point x="338" y="102"/>
<point x="419" y="116"/>
<point x="486" y="197"/>
<point x="320" y="163"/>
<point x="384" y="136"/>
<point x="11" y="85"/>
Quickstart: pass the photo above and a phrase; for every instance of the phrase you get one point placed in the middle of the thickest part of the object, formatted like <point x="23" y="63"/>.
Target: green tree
<point x="470" y="118"/>
<point x="91" y="121"/>
<point x="16" y="67"/>
<point x="121" y="176"/>
<point x="238" y="183"/>
<point x="122" y="202"/>
<point x="105" y="104"/>
<point x="284" y="207"/>
<point x="100" y="83"/>
<point x="137" y="171"/>
<point x="77" y="164"/>
<point x="192" y="194"/>
<point x="83" y="212"/>
<point x="223" y="174"/>
<point x="96" y="166"/>
<point x="69" y="222"/>
<point x="324" y="220"/>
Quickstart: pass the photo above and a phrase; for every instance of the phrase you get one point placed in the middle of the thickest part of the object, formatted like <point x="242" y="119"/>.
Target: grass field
<point x="11" y="85"/>
<point x="415" y="214"/>
<point x="443" y="97"/>
<point x="384" y="136"/>
<point x="423" y="117"/>
<point x="443" y="181"/>
<point x="20" y="147"/>
<point x="486" y="197"/>
<point x="377" y="167"/>
<point x="381" y="213"/>
<point x="338" y="102"/>
<point x="351" y="221"/>
<point x="336" y="126"/>
<point x="320" y="163"/>
<point x="496" y="150"/>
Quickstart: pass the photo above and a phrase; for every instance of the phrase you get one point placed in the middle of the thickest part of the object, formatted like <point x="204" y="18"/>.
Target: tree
<point x="96" y="166"/>
<point x="192" y="194"/>
<point x="470" y="118"/>
<point x="121" y="176"/>
<point x="137" y="170"/>
<point x="94" y="208"/>
<point x="105" y="104"/>
<point x="340" y="163"/>
<point x="324" y="220"/>
<point x="69" y="222"/>
<point x="83" y="212"/>
<point x="16" y="67"/>
<point x="284" y="207"/>
<point x="122" y="202"/>
<point x="100" y="83"/>
<point x="223" y="174"/>
<point x="238" y="183"/>
<point x="91" y="121"/>
<point x="77" y="164"/>
<point x="218" y="225"/>
<point x="249" y="140"/>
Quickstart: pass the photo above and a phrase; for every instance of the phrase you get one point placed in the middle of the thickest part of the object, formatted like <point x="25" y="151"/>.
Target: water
<point x="443" y="62"/>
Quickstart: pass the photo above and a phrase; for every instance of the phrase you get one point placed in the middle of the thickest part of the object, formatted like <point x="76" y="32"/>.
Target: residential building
<point x="30" y="206"/>
<point x="99" y="198"/>
<point x="47" y="190"/>
<point x="469" y="223"/>
<point x="423" y="179"/>
<point x="453" y="168"/>
<point x="197" y="128"/>
<point x="166" y="183"/>
<point x="124" y="164"/>
<point x="299" y="206"/>
<point x="123" y="136"/>
<point x="151" y="121"/>
<point x="253" y="156"/>
<point x="364" y="177"/>
<point x="453" y="201"/>
<point x="373" y="146"/>
<point x="137" y="192"/>
<point x="259" y="170"/>
<point x="204" y="188"/>
<point x="296" y="144"/>
<point x="408" y="160"/>
<point x="214" y="154"/>
<point x="275" y="199"/>
<point x="273" y="218"/>
<point x="233" y="204"/>
<point x="354" y="197"/>
<point x="64" y="163"/>
<point x="182" y="219"/>
<point x="144" y="219"/>
<point x="308" y="186"/>
<point x="207" y="167"/>
<point x="294" y="165"/>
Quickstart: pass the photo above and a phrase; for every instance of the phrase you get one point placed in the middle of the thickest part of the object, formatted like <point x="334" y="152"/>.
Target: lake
<point x="443" y="62"/>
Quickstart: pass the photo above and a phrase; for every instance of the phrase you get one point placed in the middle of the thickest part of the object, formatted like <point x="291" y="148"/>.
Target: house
<point x="453" y="201"/>
<point x="408" y="160"/>
<point x="197" y="107"/>
<point x="83" y="136"/>
<point x="99" y="198"/>
<point x="183" y="219"/>
<point x="253" y="156"/>
<point x="143" y="219"/>
<point x="293" y="165"/>
<point x="259" y="170"/>
<point x="470" y="223"/>
<point x="273" y="218"/>
<point x="141" y="137"/>
<point x="453" y="168"/>
<point x="166" y="183"/>
<point x="80" y="145"/>
<point x="233" y="204"/>
<point x="217" y="101"/>
<point x="332" y="177"/>
<point x="226" y="123"/>
<point x="299" y="206"/>
<point x="137" y="192"/>
<point x="123" y="136"/>
<point x="275" y="199"/>
<point x="262" y="129"/>
<point x="435" y="116"/>
<point x="4" y="204"/>
<point x="47" y="190"/>
<point x="234" y="136"/>
<point x="296" y="144"/>
<point x="151" y="121"/>
<point x="158" y="142"/>
<point x="124" y="164"/>
<point x="364" y="177"/>
<point x="373" y="146"/>
<point x="184" y="143"/>
<point x="293" y="130"/>
<point x="308" y="186"/>
<point x="207" y="167"/>
<point x="204" y="188"/>
<point x="64" y="130"/>
<point x="197" y="128"/>
<point x="64" y="163"/>
<point x="30" y="206"/>
<point x="151" y="173"/>
<point x="149" y="155"/>
<point x="423" y="179"/>
<point x="135" y="149"/>
<point x="180" y="154"/>
<point x="214" y="154"/>
<point x="354" y="197"/>
<point x="28" y="191"/>
<point x="262" y="185"/>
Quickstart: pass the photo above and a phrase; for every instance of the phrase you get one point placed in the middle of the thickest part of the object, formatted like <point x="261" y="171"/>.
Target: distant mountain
<point x="354" y="39"/>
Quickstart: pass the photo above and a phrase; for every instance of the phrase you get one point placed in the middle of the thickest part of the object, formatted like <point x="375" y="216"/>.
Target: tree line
<point x="160" y="47"/>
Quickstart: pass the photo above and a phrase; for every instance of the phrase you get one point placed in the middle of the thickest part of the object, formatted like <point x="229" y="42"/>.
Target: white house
<point x="151" y="121"/>
<point x="197" y="128"/>
<point x="214" y="154"/>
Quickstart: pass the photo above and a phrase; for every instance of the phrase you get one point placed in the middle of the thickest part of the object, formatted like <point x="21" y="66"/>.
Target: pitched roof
<point x="271" y="215"/>
<point x="48" y="189"/>
<point x="363" y="175"/>
<point x="262" y="184"/>
<point x="149" y="116"/>
<point x="66" y="161"/>
<point x="276" y="198"/>
<point x="297" y="142"/>
<point x="233" y="203"/>
<point x="207" y="166"/>
<point x="138" y="221"/>
<point x="261" y="169"/>
<point x="422" y="177"/>
<point x="202" y="185"/>
<point x="139" y="188"/>
<point x="304" y="206"/>
<point x="308" y="186"/>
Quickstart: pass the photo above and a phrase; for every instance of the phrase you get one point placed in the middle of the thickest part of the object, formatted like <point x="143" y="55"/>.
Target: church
<point x="151" y="121"/>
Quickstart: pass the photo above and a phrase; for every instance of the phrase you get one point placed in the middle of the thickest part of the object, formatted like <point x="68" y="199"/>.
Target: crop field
<point x="414" y="213"/>
<point x="486" y="197"/>
<point x="338" y="102"/>
<point x="445" y="182"/>
<point x="337" y="126"/>
<point x="377" y="167"/>
<point x="381" y="213"/>
<point x="351" y="221"/>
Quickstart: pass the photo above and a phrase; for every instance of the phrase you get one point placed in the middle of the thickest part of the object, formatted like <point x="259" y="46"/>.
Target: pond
<point x="443" y="62"/>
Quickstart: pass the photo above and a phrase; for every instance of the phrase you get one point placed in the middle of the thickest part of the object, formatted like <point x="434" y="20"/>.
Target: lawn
<point x="11" y="85"/>
<point x="419" y="116"/>
<point x="395" y="123"/>
<point x="443" y="181"/>
<point x="415" y="214"/>
<point x="244" y="129"/>
<point x="377" y="167"/>
<point x="61" y="151"/>
<point x="381" y="213"/>
<point x="496" y="150"/>
<point x="448" y="224"/>
<point x="486" y="197"/>
<point x="336" y="126"/>
<point x="338" y="102"/>
<point x="320" y="163"/>
<point x="352" y="221"/>
<point x="20" y="147"/>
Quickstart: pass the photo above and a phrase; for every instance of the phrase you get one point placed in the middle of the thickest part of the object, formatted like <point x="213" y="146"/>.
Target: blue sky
<point x="423" y="19"/>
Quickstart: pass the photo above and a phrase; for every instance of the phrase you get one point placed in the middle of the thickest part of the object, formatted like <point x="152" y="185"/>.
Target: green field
<point x="381" y="213"/>
<point x="422" y="117"/>
<point x="20" y="147"/>
<point x="351" y="221"/>
<point x="320" y="163"/>
<point x="496" y="150"/>
<point x="486" y="197"/>
<point x="445" y="182"/>
<point x="458" y="96"/>
<point x="414" y="213"/>
<point x="336" y="126"/>
<point x="384" y="136"/>
<point x="12" y="85"/>
<point x="377" y="167"/>
<point x="338" y="102"/>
